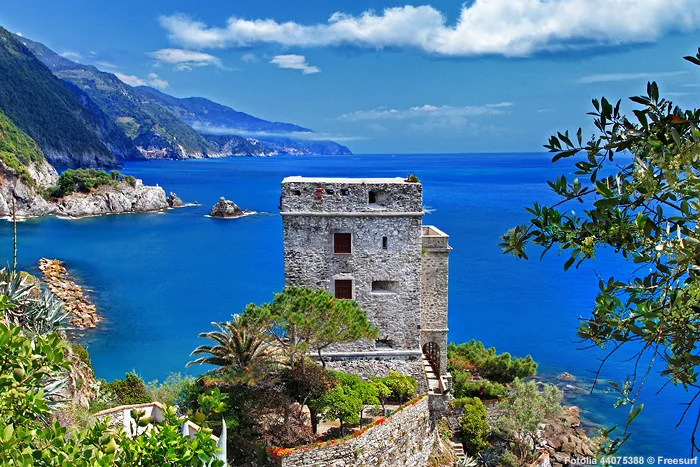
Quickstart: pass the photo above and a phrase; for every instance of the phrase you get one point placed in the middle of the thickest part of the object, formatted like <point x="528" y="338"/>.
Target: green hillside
<point x="43" y="107"/>
<point x="141" y="118"/>
<point x="17" y="149"/>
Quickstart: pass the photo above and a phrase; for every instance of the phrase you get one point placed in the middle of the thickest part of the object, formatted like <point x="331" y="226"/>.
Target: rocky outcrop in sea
<point x="83" y="314"/>
<point x="227" y="209"/>
<point x="121" y="198"/>
<point x="174" y="201"/>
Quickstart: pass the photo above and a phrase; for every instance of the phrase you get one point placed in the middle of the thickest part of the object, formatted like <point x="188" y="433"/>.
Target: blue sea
<point x="160" y="278"/>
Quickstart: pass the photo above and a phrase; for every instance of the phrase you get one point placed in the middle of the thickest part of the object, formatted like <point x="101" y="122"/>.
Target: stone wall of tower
<point x="434" y="279"/>
<point x="313" y="211"/>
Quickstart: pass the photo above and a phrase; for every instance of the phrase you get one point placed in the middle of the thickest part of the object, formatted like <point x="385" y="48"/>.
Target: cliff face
<point x="107" y="199"/>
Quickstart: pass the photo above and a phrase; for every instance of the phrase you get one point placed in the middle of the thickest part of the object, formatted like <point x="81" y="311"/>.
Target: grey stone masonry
<point x="405" y="439"/>
<point x="362" y="239"/>
<point x="434" y="278"/>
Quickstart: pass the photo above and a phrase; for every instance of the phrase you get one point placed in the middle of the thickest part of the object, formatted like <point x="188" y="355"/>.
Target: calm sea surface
<point x="160" y="279"/>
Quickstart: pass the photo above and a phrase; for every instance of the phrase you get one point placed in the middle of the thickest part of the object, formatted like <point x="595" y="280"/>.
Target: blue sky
<point x="387" y="77"/>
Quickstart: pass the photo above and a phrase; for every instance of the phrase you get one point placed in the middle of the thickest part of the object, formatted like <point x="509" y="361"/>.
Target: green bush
<point x="482" y="388"/>
<point x="474" y="425"/>
<point x="85" y="180"/>
<point x="82" y="354"/>
<point x="476" y="358"/>
<point x="402" y="387"/>
<point x="130" y="390"/>
<point x="175" y="390"/>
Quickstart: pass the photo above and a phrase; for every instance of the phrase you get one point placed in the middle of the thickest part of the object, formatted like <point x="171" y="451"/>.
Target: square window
<point x="343" y="289"/>
<point x="342" y="243"/>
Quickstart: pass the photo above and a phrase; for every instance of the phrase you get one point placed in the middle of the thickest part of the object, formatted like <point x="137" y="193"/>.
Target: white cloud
<point x="153" y="80"/>
<point x="184" y="59"/>
<point x="131" y="80"/>
<point x="426" y="111"/>
<point x="305" y="135"/>
<point x="249" y="58"/>
<point x="74" y="56"/>
<point x="501" y="27"/>
<point x="608" y="77"/>
<point x="105" y="64"/>
<point x="295" y="62"/>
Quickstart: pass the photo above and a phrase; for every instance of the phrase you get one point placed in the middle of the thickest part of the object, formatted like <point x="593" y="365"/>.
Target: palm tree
<point x="240" y="344"/>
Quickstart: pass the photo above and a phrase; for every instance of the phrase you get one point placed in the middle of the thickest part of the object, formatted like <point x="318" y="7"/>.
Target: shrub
<point x="175" y="390"/>
<point x="482" y="388"/>
<point x="85" y="180"/>
<point x="402" y="387"/>
<point x="82" y="354"/>
<point x="524" y="409"/>
<point x="502" y="368"/>
<point x="474" y="426"/>
<point x="130" y="390"/>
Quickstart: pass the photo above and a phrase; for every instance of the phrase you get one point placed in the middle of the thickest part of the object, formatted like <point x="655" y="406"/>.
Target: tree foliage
<point x="637" y="181"/>
<point x="240" y="343"/>
<point x="304" y="319"/>
<point x="524" y="409"/>
<point x="473" y="424"/>
<point x="30" y="437"/>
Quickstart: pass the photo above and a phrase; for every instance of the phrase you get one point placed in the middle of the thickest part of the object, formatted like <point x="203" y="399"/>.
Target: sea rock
<point x="225" y="208"/>
<point x="82" y="313"/>
<point x="174" y="201"/>
<point x="568" y="377"/>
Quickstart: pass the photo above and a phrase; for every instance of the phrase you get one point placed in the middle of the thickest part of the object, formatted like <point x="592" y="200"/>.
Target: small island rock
<point x="174" y="201"/>
<point x="226" y="209"/>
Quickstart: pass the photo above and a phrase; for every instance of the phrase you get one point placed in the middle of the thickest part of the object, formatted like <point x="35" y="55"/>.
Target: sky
<point x="388" y="77"/>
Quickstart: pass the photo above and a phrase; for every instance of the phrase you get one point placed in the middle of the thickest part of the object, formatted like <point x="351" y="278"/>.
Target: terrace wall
<point x="404" y="439"/>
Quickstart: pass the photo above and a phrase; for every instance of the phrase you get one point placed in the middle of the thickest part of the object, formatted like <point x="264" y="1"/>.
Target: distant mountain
<point x="163" y="126"/>
<point x="219" y="122"/>
<point x="155" y="130"/>
<point x="201" y="113"/>
<point x="42" y="106"/>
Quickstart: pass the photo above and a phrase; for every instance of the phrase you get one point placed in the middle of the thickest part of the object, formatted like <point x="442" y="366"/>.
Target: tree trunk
<point x="320" y="357"/>
<point x="314" y="420"/>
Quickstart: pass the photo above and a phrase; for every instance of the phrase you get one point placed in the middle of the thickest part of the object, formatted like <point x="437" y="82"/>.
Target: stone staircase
<point x="434" y="386"/>
<point x="459" y="450"/>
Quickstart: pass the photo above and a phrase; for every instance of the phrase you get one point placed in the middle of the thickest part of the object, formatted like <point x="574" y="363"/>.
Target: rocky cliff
<point x="109" y="199"/>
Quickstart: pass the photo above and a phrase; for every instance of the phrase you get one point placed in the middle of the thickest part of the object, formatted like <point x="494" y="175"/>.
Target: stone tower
<point x="362" y="239"/>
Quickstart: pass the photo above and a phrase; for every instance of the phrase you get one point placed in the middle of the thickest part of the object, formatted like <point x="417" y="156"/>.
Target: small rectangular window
<point x="296" y="192"/>
<point x="345" y="192"/>
<point x="342" y="243"/>
<point x="384" y="287"/>
<point x="385" y="242"/>
<point x="343" y="289"/>
<point x="372" y="197"/>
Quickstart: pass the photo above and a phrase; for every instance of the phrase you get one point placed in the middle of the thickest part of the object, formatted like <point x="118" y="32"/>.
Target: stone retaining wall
<point x="404" y="439"/>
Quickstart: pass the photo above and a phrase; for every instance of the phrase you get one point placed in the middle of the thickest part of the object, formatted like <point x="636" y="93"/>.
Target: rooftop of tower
<point x="367" y="181"/>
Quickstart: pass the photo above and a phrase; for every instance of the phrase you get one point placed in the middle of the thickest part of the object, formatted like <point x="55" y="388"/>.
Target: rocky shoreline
<point x="82" y="312"/>
<point x="118" y="198"/>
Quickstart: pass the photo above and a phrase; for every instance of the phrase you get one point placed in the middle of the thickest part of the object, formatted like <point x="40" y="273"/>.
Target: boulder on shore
<point x="226" y="209"/>
<point x="174" y="201"/>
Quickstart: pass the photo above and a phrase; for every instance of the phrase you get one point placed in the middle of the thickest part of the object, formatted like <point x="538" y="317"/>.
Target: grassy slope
<point x="17" y="149"/>
<point x="42" y="106"/>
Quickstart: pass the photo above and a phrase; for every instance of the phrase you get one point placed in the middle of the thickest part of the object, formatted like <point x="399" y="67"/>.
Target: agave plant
<point x="466" y="462"/>
<point x="42" y="315"/>
<point x="240" y="343"/>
